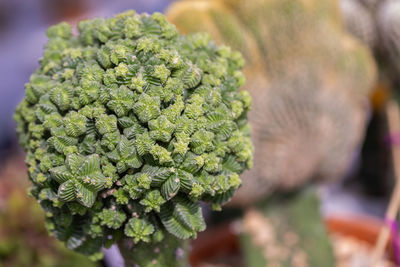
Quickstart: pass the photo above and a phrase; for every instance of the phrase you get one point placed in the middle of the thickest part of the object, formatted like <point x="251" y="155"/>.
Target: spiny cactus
<point x="375" y="23"/>
<point x="127" y="126"/>
<point x="359" y="21"/>
<point x="308" y="78"/>
<point x="388" y="20"/>
<point x="287" y="230"/>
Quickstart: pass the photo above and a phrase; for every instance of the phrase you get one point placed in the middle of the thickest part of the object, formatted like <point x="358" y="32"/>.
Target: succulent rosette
<point x="127" y="126"/>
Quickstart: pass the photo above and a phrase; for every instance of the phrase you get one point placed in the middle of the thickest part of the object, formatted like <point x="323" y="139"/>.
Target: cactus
<point x="388" y="20"/>
<point x="308" y="78"/>
<point x="127" y="126"/>
<point x="287" y="230"/>
<point x="375" y="23"/>
<point x="359" y="21"/>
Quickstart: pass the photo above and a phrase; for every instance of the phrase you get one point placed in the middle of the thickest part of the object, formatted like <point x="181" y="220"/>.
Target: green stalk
<point x="170" y="252"/>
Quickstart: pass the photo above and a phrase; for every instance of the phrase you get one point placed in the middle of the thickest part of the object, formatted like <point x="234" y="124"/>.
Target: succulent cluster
<point x="128" y="125"/>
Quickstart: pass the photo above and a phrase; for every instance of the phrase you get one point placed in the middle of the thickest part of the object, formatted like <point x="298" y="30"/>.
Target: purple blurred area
<point x="22" y="37"/>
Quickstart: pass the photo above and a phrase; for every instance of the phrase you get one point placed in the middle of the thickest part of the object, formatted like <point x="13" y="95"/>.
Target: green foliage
<point x="291" y="223"/>
<point x="182" y="218"/>
<point x="80" y="179"/>
<point x="139" y="230"/>
<point x="126" y="127"/>
<point x="112" y="218"/>
<point x="168" y="252"/>
<point x="152" y="201"/>
<point x="125" y="156"/>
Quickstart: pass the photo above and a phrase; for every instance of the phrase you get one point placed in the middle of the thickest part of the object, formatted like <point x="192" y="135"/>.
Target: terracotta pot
<point x="364" y="228"/>
<point x="217" y="241"/>
<point x="222" y="240"/>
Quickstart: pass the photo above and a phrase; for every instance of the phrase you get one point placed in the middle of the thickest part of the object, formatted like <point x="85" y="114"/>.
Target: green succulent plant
<point x="127" y="125"/>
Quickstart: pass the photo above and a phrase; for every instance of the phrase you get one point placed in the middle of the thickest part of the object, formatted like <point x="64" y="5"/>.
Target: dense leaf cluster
<point x="128" y="125"/>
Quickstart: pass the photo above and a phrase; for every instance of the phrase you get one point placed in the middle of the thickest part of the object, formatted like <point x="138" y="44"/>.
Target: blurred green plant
<point x="23" y="238"/>
<point x="287" y="230"/>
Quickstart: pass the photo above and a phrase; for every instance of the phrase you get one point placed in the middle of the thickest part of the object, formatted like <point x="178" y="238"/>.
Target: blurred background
<point x="321" y="73"/>
<point x="22" y="37"/>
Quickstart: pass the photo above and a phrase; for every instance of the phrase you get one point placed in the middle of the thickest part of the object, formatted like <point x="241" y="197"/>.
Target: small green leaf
<point x="121" y="101"/>
<point x="112" y="218"/>
<point x="161" y="129"/>
<point x="186" y="180"/>
<point x="84" y="195"/>
<point x="189" y="213"/>
<point x="89" y="165"/>
<point x="143" y="143"/>
<point x="147" y="107"/>
<point x="139" y="230"/>
<point x="74" y="162"/>
<point x="61" y="97"/>
<point x="144" y="180"/>
<point x="75" y="124"/>
<point x="158" y="174"/>
<point x="94" y="182"/>
<point x="125" y="147"/>
<point x="161" y="154"/>
<point x="121" y="196"/>
<point x="125" y="155"/>
<point x="61" y="174"/>
<point x="170" y="187"/>
<point x="152" y="201"/>
<point x="161" y="72"/>
<point x="182" y="218"/>
<point x="66" y="191"/>
<point x="106" y="124"/>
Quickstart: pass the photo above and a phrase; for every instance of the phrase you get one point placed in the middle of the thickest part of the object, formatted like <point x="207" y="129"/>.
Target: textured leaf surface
<point x="66" y="191"/>
<point x="139" y="229"/>
<point x="183" y="218"/>
<point x="170" y="187"/>
<point x="121" y="137"/>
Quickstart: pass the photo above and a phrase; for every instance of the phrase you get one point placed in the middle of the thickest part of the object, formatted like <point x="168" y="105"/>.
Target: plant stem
<point x="170" y="252"/>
